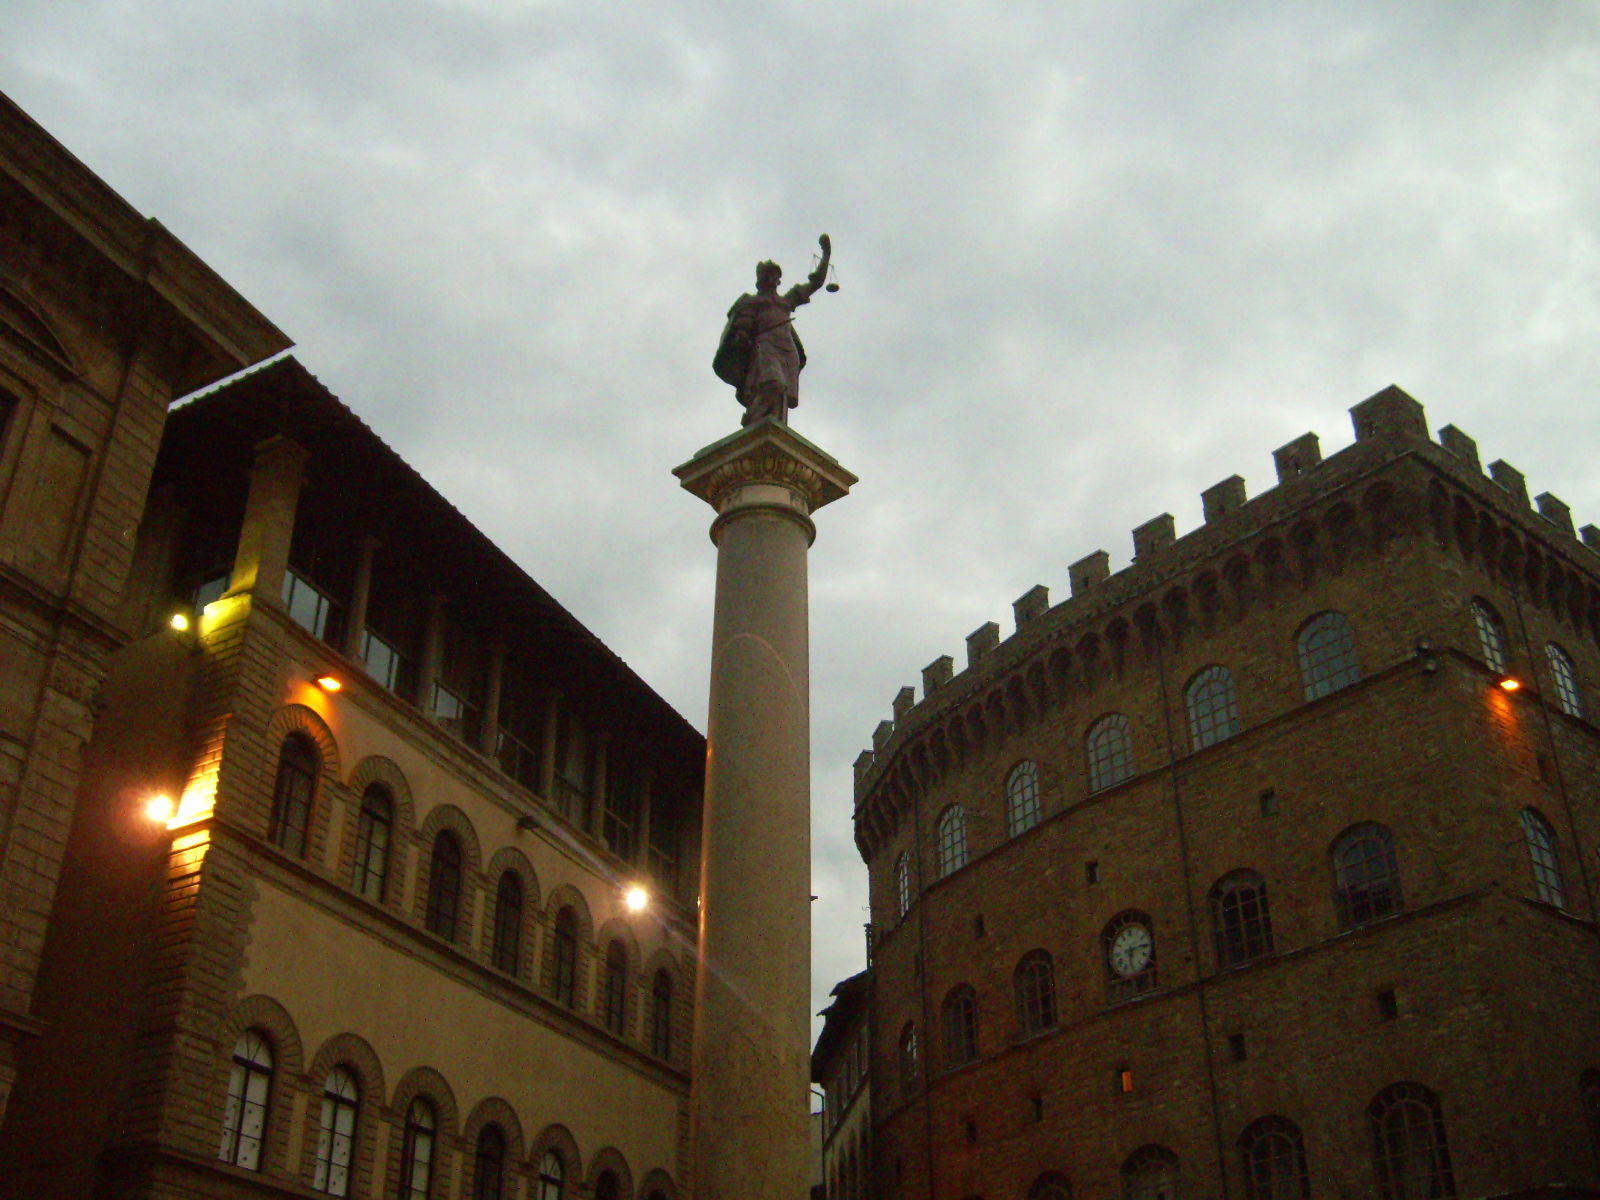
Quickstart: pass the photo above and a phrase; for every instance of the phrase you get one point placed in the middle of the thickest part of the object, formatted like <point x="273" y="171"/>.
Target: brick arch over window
<point x="434" y="1088"/>
<point x="510" y="858"/>
<point x="609" y="1158"/>
<point x="678" y="1015"/>
<point x="290" y="721"/>
<point x="442" y="818"/>
<point x="376" y="769"/>
<point x="493" y="1110"/>
<point x="351" y="1051"/>
<point x="617" y="931"/>
<point x="273" y="1020"/>
<point x="658" y="1185"/>
<point x="448" y="816"/>
<point x="297" y="718"/>
<point x="558" y="1138"/>
<point x="565" y="896"/>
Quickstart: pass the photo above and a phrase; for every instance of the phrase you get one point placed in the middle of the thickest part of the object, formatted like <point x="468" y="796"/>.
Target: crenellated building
<point x="1263" y="867"/>
<point x="356" y="855"/>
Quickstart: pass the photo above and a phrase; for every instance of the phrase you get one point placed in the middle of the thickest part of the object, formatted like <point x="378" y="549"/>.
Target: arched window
<point x="1409" y="1152"/>
<point x="489" y="1164"/>
<point x="1035" y="986"/>
<point x="616" y="990"/>
<point x="1239" y="919"/>
<point x="374" y="826"/>
<point x="1589" y="1094"/>
<point x="1129" y="949"/>
<point x="444" y="886"/>
<point x="1566" y="680"/>
<point x="902" y="886"/>
<point x="1022" y="798"/>
<point x="298" y="766"/>
<point x="566" y="956"/>
<point x="552" y="1176"/>
<point x="416" y="1151"/>
<point x="910" y="1066"/>
<point x="1051" y="1186"/>
<point x="1150" y="1173"/>
<point x="507" y="950"/>
<point x="661" y="1015"/>
<point x="1110" y="752"/>
<point x="1327" y="649"/>
<point x="244" y="1121"/>
<point x="1273" y="1155"/>
<point x="1544" y="858"/>
<point x="607" y="1187"/>
<point x="336" y="1133"/>
<point x="960" y="1026"/>
<point x="1213" y="707"/>
<point x="952" y="841"/>
<point x="1491" y="634"/>
<point x="1366" y="875"/>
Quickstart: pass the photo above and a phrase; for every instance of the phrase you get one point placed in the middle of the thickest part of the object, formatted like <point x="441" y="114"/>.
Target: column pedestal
<point x="749" y="1125"/>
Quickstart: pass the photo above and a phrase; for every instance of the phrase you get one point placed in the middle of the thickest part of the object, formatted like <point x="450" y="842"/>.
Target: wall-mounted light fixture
<point x="160" y="808"/>
<point x="1509" y="683"/>
<point x="329" y="683"/>
<point x="636" y="898"/>
<point x="528" y="821"/>
<point x="179" y="621"/>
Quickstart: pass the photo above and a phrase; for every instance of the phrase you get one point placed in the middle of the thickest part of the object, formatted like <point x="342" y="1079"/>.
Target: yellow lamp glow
<point x="180" y="622"/>
<point x="160" y="808"/>
<point x="636" y="898"/>
<point x="1511" y="685"/>
<point x="328" y="683"/>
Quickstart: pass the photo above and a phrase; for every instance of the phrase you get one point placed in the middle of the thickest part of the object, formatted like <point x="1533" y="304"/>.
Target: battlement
<point x="1387" y="425"/>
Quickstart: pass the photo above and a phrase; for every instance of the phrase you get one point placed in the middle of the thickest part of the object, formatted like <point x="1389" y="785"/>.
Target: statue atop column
<point x="760" y="354"/>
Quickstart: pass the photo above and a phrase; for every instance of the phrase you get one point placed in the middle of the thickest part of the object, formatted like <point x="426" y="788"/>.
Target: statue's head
<point x="767" y="275"/>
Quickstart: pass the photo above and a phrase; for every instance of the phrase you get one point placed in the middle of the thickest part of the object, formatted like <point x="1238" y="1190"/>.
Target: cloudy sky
<point x="1095" y="257"/>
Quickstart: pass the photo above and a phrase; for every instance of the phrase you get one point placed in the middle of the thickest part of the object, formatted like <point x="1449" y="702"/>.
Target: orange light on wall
<point x="1510" y="684"/>
<point x="329" y="683"/>
<point x="160" y="808"/>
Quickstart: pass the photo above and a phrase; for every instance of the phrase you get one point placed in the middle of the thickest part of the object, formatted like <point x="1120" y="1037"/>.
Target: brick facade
<point x="1464" y="983"/>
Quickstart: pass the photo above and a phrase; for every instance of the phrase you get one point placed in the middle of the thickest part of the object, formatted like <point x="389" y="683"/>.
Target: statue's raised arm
<point x="760" y="354"/>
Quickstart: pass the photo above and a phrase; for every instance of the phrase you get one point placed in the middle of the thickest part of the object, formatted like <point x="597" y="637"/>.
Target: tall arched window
<point x="616" y="989"/>
<point x="960" y="1026"/>
<point x="1051" y="1186"/>
<point x="336" y="1133"/>
<point x="1022" y="798"/>
<point x="1128" y="944"/>
<point x="1213" y="707"/>
<point x="298" y="767"/>
<point x="374" y="826"/>
<point x="566" y="957"/>
<point x="661" y="1014"/>
<point x="1239" y="920"/>
<point x="1366" y="875"/>
<point x="244" y="1121"/>
<point x="1589" y="1094"/>
<point x="1409" y="1152"/>
<point x="489" y="1164"/>
<point x="1544" y="857"/>
<point x="444" y="886"/>
<point x="1491" y="634"/>
<point x="607" y="1187"/>
<point x="1035" y="987"/>
<point x="507" y="950"/>
<point x="552" y="1176"/>
<point x="1327" y="650"/>
<point x="1110" y="752"/>
<point x="416" y="1151"/>
<point x="1150" y="1173"/>
<point x="1273" y="1155"/>
<point x="1568" y="697"/>
<point x="902" y="886"/>
<point x="910" y="1064"/>
<point x="952" y="840"/>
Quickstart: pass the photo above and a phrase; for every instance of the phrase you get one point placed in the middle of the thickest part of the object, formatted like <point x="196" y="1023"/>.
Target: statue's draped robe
<point x="765" y="370"/>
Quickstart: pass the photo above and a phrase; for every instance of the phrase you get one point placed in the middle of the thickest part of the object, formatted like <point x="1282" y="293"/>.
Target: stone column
<point x="489" y="723"/>
<point x="749" y="1107"/>
<point x="432" y="651"/>
<point x="355" y="625"/>
<point x="262" y="556"/>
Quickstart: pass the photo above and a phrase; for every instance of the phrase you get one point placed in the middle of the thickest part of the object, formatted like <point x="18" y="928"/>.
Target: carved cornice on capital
<point x="765" y="456"/>
<point x="777" y="469"/>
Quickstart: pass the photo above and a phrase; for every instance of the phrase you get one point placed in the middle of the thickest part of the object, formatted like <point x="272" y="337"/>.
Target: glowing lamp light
<point x="1510" y="685"/>
<point x="180" y="622"/>
<point x="329" y="683"/>
<point x="636" y="898"/>
<point x="160" y="808"/>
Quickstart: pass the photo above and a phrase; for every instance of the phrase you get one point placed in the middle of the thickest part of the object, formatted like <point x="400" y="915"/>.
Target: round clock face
<point x="1130" y="950"/>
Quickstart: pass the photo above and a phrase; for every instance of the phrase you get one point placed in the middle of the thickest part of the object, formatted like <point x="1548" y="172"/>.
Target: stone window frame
<point x="1024" y="798"/>
<point x="511" y="860"/>
<point x="341" y="1093"/>
<point x="910" y="1061"/>
<point x="426" y="1084"/>
<point x="959" y="1022"/>
<point x="951" y="847"/>
<point x="442" y="818"/>
<point x="351" y="1052"/>
<point x="376" y="810"/>
<point x="1241" y="920"/>
<point x="266" y="1014"/>
<point x="1033" y="983"/>
<point x="1564" y="674"/>
<point x="1108" y="751"/>
<point x="1544" y="858"/>
<point x="419" y="1146"/>
<point x="1325" y="648"/>
<point x="1211" y="702"/>
<point x="614" y="988"/>
<point x="1406" y="1125"/>
<point x="661" y="1010"/>
<point x="1492" y="639"/>
<point x="489" y="1149"/>
<point x="902" y="886"/>
<point x="294" y="794"/>
<point x="1373" y="892"/>
<point x="1272" y="1159"/>
<point x="253" y="1063"/>
<point x="1151" y="1173"/>
<point x="555" y="1142"/>
<point x="403" y="833"/>
<point x="446" y="891"/>
<point x="608" y="1160"/>
<point x="495" y="1112"/>
<point x="505" y="939"/>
